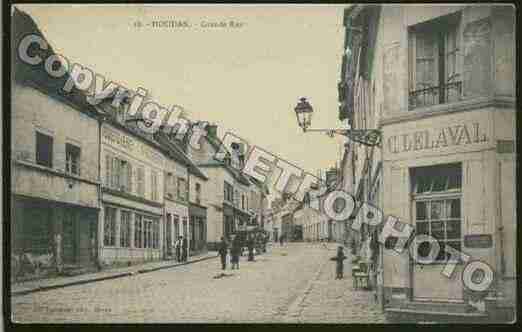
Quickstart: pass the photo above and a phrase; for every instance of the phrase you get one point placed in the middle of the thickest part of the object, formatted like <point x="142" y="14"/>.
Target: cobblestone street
<point x="290" y="284"/>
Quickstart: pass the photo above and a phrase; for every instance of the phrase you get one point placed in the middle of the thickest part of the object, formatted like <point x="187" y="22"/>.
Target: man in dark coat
<point x="184" y="249"/>
<point x="340" y="263"/>
<point x="235" y="251"/>
<point x="222" y="251"/>
<point x="178" y="248"/>
<point x="250" y="245"/>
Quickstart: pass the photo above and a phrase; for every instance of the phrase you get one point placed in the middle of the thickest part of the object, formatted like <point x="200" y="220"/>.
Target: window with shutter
<point x="44" y="150"/>
<point x="451" y="74"/>
<point x="140" y="185"/>
<point x="154" y="185"/>
<point x="175" y="186"/>
<point x="129" y="177"/>
<point x="434" y="70"/>
<point x="425" y="61"/>
<point x="115" y="169"/>
<point x="108" y="170"/>
<point x="123" y="172"/>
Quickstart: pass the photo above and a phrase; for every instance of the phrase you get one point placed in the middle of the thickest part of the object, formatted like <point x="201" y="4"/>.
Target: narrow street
<point x="290" y="284"/>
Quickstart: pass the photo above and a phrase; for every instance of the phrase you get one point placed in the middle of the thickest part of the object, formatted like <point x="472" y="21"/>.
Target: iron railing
<point x="434" y="95"/>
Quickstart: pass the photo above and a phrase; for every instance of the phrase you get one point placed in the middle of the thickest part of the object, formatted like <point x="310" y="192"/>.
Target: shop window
<point x="176" y="227"/>
<point x="168" y="232"/>
<point x="147" y="236"/>
<point x="185" y="227"/>
<point x="437" y="207"/>
<point x="109" y="228"/>
<point x="155" y="234"/>
<point x="138" y="230"/>
<point x="44" y="150"/>
<point x="72" y="159"/>
<point x="433" y="61"/>
<point x="125" y="229"/>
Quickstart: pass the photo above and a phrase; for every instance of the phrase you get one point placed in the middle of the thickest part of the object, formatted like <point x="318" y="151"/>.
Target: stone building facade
<point x="439" y="83"/>
<point x="132" y="196"/>
<point x="54" y="168"/>
<point x="228" y="190"/>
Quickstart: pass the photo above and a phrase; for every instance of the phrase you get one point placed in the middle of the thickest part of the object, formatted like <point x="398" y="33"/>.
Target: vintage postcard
<point x="276" y="163"/>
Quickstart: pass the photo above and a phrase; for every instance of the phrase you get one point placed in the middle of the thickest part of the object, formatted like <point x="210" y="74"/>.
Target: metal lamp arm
<point x="369" y="137"/>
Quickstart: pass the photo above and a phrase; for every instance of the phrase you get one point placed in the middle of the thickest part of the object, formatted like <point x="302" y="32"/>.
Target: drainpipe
<point x="189" y="233"/>
<point x="99" y="188"/>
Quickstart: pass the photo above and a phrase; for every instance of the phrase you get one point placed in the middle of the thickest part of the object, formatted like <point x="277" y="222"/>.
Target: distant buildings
<point x="234" y="200"/>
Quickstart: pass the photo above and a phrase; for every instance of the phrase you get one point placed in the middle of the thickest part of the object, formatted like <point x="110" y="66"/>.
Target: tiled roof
<point x="35" y="75"/>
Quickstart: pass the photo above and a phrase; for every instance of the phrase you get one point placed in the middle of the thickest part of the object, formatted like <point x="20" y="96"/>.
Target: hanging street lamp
<point x="304" y="111"/>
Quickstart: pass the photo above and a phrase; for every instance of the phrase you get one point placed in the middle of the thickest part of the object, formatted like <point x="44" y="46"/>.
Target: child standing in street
<point x="340" y="263"/>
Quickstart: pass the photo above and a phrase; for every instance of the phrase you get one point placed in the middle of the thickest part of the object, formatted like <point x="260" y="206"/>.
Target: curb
<point x="114" y="276"/>
<point x="174" y="265"/>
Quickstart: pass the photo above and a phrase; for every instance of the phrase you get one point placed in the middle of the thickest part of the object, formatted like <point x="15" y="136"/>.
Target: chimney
<point x="212" y="130"/>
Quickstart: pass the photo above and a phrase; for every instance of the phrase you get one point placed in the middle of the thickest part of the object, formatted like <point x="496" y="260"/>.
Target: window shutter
<point x="108" y="167"/>
<point x="137" y="180"/>
<point x="115" y="172"/>
<point x="140" y="181"/>
<point x="451" y="56"/>
<point x="152" y="185"/>
<point x="129" y="177"/>
<point x="426" y="70"/>
<point x="411" y="61"/>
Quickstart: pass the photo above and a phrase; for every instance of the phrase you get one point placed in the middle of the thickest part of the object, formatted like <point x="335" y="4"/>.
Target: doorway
<point x="69" y="243"/>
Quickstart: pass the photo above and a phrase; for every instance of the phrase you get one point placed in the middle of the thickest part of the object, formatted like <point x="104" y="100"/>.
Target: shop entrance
<point x="436" y="207"/>
<point x="69" y="242"/>
<point x="168" y="235"/>
<point x="79" y="232"/>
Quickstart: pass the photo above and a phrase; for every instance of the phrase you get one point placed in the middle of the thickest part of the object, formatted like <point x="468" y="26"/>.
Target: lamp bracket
<point x="358" y="29"/>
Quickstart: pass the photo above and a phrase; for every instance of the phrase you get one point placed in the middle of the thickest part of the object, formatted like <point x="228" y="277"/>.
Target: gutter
<point x="99" y="188"/>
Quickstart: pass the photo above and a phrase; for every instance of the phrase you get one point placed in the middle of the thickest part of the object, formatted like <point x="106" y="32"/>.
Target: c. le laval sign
<point x="459" y="134"/>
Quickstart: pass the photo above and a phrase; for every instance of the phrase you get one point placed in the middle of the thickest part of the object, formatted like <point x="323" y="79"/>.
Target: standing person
<point x="178" y="249"/>
<point x="222" y="251"/>
<point x="281" y="239"/>
<point x="339" y="258"/>
<point x="235" y="251"/>
<point x="184" y="249"/>
<point x="250" y="245"/>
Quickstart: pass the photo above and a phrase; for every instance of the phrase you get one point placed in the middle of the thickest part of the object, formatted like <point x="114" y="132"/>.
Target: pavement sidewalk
<point x="27" y="287"/>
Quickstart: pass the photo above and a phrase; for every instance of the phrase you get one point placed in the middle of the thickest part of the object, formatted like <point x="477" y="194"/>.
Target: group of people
<point x="236" y="249"/>
<point x="181" y="247"/>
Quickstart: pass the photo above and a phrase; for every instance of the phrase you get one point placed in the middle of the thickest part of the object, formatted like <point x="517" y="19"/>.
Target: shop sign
<point x="478" y="241"/>
<point x="131" y="145"/>
<point x="455" y="135"/>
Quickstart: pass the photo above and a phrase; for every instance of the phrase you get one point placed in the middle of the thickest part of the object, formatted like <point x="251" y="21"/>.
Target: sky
<point x="246" y="78"/>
